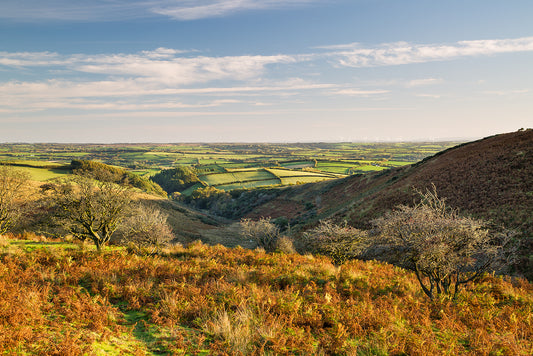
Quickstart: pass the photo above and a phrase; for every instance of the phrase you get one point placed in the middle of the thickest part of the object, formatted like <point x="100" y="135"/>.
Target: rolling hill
<point x="491" y="178"/>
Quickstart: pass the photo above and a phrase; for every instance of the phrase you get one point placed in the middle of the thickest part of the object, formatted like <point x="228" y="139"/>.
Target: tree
<point x="340" y="242"/>
<point x="263" y="232"/>
<point x="88" y="208"/>
<point x="146" y="227"/>
<point x="11" y="182"/>
<point x="444" y="249"/>
<point x="176" y="179"/>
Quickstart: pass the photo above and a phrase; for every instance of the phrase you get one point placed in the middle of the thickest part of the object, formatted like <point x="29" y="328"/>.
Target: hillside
<point x="491" y="178"/>
<point x="203" y="300"/>
<point x="187" y="225"/>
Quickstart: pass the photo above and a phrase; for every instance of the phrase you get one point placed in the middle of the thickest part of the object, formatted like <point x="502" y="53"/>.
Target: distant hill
<point x="491" y="178"/>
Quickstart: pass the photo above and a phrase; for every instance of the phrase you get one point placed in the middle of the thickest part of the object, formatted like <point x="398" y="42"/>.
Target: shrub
<point x="285" y="244"/>
<point x="444" y="249"/>
<point x="146" y="228"/>
<point x="263" y="232"/>
<point x="340" y="242"/>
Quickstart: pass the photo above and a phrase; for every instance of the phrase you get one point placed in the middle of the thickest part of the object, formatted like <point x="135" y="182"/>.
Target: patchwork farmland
<point x="226" y="166"/>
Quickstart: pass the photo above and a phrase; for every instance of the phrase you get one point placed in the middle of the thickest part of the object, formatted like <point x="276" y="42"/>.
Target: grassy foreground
<point x="215" y="300"/>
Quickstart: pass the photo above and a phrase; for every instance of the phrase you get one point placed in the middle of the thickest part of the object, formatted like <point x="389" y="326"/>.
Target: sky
<point x="112" y="71"/>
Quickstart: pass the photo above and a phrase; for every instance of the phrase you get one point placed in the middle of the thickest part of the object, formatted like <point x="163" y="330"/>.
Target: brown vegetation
<point x="203" y="299"/>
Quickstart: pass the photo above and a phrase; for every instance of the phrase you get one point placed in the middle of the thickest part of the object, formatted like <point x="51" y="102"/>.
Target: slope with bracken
<point x="491" y="178"/>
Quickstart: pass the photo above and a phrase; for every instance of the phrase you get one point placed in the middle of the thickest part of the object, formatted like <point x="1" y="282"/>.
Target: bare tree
<point x="146" y="227"/>
<point x="11" y="182"/>
<point x="340" y="242"/>
<point x="90" y="209"/>
<point x="444" y="249"/>
<point x="263" y="232"/>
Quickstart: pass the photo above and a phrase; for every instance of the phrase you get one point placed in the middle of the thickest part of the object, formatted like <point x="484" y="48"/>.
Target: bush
<point x="444" y="249"/>
<point x="146" y="229"/>
<point x="262" y="231"/>
<point x="341" y="243"/>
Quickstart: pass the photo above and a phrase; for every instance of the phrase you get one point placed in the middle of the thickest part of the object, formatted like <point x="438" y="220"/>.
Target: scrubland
<point x="62" y="298"/>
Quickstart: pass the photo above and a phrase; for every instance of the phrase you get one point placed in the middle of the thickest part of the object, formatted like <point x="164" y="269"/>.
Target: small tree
<point x="263" y="232"/>
<point x="340" y="242"/>
<point x="11" y="182"/>
<point x="90" y="209"/>
<point x="444" y="249"/>
<point x="146" y="227"/>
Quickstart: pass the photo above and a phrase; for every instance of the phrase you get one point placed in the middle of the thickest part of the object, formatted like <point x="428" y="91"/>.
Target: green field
<point x="237" y="177"/>
<point x="228" y="166"/>
<point x="43" y="174"/>
<point x="302" y="179"/>
<point x="250" y="184"/>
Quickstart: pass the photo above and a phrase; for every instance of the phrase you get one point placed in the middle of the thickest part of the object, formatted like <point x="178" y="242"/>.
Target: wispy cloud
<point x="356" y="55"/>
<point x="359" y="92"/>
<point x="161" y="66"/>
<point x="431" y="96"/>
<point x="194" y="10"/>
<point x="507" y="92"/>
<point x="106" y="10"/>
<point x="423" y="82"/>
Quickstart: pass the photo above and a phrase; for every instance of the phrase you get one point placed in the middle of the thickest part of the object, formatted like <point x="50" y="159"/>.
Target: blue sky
<point x="264" y="70"/>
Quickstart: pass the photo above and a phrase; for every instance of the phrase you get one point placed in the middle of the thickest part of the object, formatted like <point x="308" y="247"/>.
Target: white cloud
<point x="161" y="66"/>
<point x="106" y="10"/>
<point x="354" y="55"/>
<point x="423" y="82"/>
<point x="507" y="92"/>
<point x="194" y="10"/>
<point x="431" y="96"/>
<point x="359" y="92"/>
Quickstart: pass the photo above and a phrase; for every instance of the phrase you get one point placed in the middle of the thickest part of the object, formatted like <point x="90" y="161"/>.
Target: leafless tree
<point x="146" y="228"/>
<point x="88" y="208"/>
<point x="340" y="242"/>
<point x="263" y="232"/>
<point x="444" y="249"/>
<point x="11" y="183"/>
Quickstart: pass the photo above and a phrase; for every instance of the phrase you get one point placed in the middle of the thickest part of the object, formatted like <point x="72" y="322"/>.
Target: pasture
<point x="228" y="166"/>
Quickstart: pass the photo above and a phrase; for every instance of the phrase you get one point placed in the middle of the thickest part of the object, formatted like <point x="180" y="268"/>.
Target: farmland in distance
<point x="227" y="166"/>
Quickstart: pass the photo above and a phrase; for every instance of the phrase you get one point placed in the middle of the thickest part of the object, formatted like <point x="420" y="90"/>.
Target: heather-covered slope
<point x="62" y="299"/>
<point x="491" y="178"/>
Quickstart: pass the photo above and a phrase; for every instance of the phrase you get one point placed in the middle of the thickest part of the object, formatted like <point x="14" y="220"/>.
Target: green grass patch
<point x="303" y="180"/>
<point x="249" y="185"/>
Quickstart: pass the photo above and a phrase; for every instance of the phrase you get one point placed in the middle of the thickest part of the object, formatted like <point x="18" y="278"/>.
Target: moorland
<point x="329" y="248"/>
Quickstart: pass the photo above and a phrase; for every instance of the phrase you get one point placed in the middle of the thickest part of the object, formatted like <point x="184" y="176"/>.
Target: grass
<point x="215" y="300"/>
<point x="303" y="179"/>
<point x="237" y="177"/>
<point x="43" y="174"/>
<point x="333" y="158"/>
<point x="250" y="185"/>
